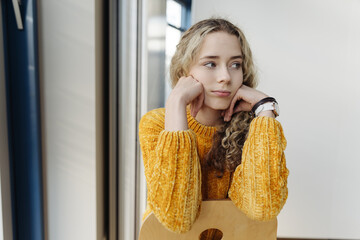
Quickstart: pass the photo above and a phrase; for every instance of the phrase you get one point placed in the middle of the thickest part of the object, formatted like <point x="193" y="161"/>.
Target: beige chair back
<point x="219" y="214"/>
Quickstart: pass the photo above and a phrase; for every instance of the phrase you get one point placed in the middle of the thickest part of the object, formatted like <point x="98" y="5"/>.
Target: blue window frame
<point x="23" y="117"/>
<point x="182" y="10"/>
<point x="178" y="18"/>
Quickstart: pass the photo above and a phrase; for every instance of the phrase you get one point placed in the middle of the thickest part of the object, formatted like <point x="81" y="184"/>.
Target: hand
<point x="189" y="91"/>
<point x="244" y="99"/>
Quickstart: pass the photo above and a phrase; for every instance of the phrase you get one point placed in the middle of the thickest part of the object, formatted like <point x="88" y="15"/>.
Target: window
<point x="178" y="20"/>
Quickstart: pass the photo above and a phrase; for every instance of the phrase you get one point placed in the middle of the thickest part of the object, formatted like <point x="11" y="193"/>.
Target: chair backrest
<point x="218" y="214"/>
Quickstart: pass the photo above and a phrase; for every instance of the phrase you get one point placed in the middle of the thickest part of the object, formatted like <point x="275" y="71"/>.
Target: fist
<point x="188" y="91"/>
<point x="244" y="99"/>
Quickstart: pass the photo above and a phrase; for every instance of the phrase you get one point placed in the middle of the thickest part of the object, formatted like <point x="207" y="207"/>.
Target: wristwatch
<point x="273" y="106"/>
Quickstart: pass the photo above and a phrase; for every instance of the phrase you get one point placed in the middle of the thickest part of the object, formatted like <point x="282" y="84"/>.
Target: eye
<point x="236" y="65"/>
<point x="210" y="65"/>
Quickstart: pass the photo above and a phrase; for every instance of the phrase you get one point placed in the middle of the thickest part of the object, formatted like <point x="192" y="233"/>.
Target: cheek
<point x="238" y="79"/>
<point x="203" y="77"/>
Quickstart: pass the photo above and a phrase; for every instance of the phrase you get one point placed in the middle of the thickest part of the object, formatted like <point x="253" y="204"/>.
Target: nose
<point x="224" y="75"/>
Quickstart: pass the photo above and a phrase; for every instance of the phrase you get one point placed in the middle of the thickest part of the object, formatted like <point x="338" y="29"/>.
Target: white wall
<point x="308" y="55"/>
<point x="68" y="79"/>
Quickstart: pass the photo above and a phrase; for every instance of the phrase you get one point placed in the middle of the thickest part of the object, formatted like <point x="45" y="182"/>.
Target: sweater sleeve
<point x="172" y="171"/>
<point x="259" y="183"/>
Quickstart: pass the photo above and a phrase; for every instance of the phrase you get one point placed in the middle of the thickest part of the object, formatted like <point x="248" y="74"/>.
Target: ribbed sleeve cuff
<point x="175" y="183"/>
<point x="259" y="183"/>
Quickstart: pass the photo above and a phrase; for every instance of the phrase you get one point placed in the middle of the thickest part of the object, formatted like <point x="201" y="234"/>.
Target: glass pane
<point x="172" y="39"/>
<point x="173" y="13"/>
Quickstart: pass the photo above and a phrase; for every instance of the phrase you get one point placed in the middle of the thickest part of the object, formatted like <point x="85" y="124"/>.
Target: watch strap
<point x="266" y="107"/>
<point x="262" y="101"/>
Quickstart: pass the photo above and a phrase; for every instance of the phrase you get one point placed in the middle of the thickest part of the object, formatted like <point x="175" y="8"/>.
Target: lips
<point x="221" y="93"/>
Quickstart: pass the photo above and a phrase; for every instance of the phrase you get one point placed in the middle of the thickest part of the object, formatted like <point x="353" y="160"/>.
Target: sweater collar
<point x="198" y="128"/>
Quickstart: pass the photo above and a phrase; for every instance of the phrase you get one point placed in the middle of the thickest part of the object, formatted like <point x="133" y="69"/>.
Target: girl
<point x="217" y="137"/>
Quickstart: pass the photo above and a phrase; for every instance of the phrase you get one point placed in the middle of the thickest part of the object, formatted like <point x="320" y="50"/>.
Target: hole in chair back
<point x="212" y="233"/>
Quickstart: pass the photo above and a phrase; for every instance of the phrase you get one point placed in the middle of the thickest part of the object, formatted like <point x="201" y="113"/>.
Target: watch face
<point x="260" y="108"/>
<point x="272" y="106"/>
<point x="276" y="110"/>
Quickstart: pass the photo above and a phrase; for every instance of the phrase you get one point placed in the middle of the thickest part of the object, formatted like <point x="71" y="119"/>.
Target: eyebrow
<point x="216" y="57"/>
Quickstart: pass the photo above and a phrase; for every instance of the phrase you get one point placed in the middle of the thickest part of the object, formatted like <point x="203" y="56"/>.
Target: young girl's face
<point x="218" y="66"/>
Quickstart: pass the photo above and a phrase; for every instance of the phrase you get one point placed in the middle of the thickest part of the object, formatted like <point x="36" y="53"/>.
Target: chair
<point x="219" y="214"/>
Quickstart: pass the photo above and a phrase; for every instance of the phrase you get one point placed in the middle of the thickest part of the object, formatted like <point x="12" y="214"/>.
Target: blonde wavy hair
<point x="228" y="141"/>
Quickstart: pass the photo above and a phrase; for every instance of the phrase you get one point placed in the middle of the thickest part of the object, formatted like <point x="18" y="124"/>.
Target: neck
<point x="209" y="117"/>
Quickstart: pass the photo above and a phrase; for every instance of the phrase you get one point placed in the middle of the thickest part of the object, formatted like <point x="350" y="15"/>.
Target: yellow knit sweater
<point x="178" y="179"/>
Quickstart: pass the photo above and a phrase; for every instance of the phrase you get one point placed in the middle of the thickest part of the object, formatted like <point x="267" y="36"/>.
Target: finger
<point x="242" y="106"/>
<point x="197" y="104"/>
<point x="226" y="113"/>
<point x="199" y="101"/>
<point x="230" y="110"/>
<point x="192" y="110"/>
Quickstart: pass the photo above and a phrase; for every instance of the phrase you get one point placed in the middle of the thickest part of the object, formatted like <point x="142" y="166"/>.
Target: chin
<point x="219" y="105"/>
